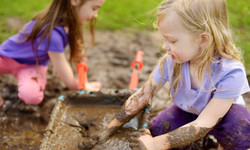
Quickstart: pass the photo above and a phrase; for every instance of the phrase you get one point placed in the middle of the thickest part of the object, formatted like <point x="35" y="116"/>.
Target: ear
<point x="204" y="39"/>
<point x="75" y="2"/>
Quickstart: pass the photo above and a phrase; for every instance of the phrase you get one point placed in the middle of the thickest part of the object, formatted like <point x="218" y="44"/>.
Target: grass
<point x="239" y="17"/>
<point x="123" y="14"/>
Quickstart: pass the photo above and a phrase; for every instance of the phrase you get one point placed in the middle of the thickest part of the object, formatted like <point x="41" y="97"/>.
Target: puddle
<point x="79" y="123"/>
<point x="68" y="119"/>
<point x="75" y="117"/>
<point x="19" y="130"/>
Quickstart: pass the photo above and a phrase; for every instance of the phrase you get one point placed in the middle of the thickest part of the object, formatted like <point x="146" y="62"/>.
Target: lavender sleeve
<point x="233" y="83"/>
<point x="162" y="77"/>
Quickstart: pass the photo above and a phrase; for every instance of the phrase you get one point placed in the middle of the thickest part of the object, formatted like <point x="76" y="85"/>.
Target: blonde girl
<point x="207" y="78"/>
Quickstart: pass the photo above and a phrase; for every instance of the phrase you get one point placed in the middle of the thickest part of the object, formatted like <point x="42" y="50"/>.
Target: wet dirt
<point x="78" y="119"/>
<point x="79" y="123"/>
<point x="23" y="126"/>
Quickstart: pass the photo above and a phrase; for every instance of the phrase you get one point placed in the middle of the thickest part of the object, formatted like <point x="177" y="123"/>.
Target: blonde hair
<point x="198" y="16"/>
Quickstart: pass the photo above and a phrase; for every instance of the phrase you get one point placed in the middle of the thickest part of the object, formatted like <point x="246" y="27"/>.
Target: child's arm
<point x="135" y="103"/>
<point x="63" y="69"/>
<point x="131" y="107"/>
<point x="208" y="118"/>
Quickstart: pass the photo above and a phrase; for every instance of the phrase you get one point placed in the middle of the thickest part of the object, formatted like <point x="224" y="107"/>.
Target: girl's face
<point x="181" y="45"/>
<point x="87" y="10"/>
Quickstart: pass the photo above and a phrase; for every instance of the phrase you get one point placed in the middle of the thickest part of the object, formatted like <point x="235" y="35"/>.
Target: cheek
<point x="83" y="17"/>
<point x="82" y="14"/>
<point x="178" y="53"/>
<point x="183" y="52"/>
<point x="178" y="56"/>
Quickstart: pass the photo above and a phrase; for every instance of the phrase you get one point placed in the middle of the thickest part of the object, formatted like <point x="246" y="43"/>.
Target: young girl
<point x="26" y="55"/>
<point x="207" y="79"/>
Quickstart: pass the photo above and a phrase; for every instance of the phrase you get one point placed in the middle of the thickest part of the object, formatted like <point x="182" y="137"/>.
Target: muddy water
<point x="19" y="130"/>
<point x="75" y="124"/>
<point x="71" y="125"/>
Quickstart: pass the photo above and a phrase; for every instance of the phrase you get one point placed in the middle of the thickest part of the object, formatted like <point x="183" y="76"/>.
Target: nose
<point x="95" y="15"/>
<point x="166" y="46"/>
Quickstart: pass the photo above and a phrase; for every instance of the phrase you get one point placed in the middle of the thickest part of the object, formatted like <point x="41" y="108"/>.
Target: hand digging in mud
<point x="97" y="138"/>
<point x="135" y="143"/>
<point x="131" y="107"/>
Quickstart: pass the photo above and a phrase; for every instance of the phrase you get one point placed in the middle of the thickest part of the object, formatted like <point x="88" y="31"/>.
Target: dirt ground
<point x="108" y="62"/>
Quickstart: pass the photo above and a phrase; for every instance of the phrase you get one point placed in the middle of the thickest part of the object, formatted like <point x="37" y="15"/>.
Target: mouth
<point x="172" y="56"/>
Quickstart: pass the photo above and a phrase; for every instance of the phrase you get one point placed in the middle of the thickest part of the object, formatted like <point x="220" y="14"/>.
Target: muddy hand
<point x="97" y="138"/>
<point x="87" y="143"/>
<point x="134" y="143"/>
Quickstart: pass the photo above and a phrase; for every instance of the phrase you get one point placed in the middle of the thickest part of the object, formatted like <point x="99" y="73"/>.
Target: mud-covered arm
<point x="134" y="104"/>
<point x="208" y="118"/>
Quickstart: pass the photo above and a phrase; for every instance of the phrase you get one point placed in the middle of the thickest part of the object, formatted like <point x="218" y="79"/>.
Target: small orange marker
<point x="82" y="69"/>
<point x="137" y="65"/>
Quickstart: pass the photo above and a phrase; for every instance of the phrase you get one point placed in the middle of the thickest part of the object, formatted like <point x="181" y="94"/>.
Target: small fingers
<point x="147" y="131"/>
<point x="134" y="142"/>
<point x="135" y="135"/>
<point x="87" y="144"/>
<point x="144" y="131"/>
<point x="137" y="145"/>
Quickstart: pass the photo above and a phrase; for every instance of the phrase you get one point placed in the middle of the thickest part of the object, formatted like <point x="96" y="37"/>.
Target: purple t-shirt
<point x="228" y="77"/>
<point x="15" y="48"/>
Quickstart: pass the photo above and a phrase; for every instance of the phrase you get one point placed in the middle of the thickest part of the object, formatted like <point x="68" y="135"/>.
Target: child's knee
<point x="234" y="129"/>
<point x="31" y="98"/>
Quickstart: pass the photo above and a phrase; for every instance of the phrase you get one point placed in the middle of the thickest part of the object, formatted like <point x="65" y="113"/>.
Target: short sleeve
<point x="56" y="43"/>
<point x="233" y="84"/>
<point x="159" y="76"/>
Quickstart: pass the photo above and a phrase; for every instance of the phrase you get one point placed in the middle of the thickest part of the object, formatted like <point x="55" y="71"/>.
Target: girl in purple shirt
<point x="26" y="55"/>
<point x="206" y="76"/>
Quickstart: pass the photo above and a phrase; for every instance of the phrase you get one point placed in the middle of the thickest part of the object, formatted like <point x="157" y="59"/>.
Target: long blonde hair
<point x="199" y="16"/>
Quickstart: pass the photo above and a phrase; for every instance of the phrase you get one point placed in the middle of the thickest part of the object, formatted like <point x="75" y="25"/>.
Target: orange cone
<point x="137" y="65"/>
<point x="82" y="69"/>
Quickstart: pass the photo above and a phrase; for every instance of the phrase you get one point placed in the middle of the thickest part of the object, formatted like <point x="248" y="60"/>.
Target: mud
<point x="185" y="136"/>
<point x="81" y="120"/>
<point x="22" y="126"/>
<point x="95" y="119"/>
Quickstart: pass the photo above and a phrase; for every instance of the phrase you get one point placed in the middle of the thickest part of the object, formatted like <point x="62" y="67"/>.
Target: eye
<point x="95" y="8"/>
<point x="173" y="41"/>
<point x="165" y="40"/>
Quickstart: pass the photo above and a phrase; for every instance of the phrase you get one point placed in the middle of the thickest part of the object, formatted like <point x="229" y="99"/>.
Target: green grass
<point x="239" y="17"/>
<point x="123" y="14"/>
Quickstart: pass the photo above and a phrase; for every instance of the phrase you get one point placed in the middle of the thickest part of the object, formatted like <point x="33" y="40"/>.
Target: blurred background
<point x="135" y="15"/>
